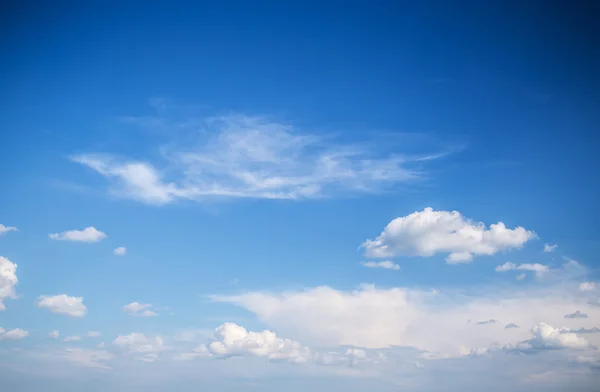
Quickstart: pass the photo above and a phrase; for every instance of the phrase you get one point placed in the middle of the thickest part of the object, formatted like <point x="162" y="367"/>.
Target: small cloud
<point x="6" y="229"/>
<point x="14" y="334"/>
<point x="580" y="330"/>
<point x="63" y="304"/>
<point x="490" y="321"/>
<point x="521" y="276"/>
<point x="382" y="264"/>
<point x="576" y="315"/>
<point x="139" y="309"/>
<point x="120" y="251"/>
<point x="72" y="339"/>
<point x="89" y="234"/>
<point x="511" y="326"/>
<point x="587" y="286"/>
<point x="539" y="269"/>
<point x="54" y="334"/>
<point x="8" y="280"/>
<point x="94" y="334"/>
<point x="550" y="248"/>
<point x="100" y="345"/>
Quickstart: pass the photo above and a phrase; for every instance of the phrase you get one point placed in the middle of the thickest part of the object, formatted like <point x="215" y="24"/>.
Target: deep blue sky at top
<point x="516" y="82"/>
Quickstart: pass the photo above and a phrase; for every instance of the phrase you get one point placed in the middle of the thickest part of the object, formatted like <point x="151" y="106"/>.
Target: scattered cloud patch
<point x="6" y="229"/>
<point x="120" y="251"/>
<point x="89" y="234"/>
<point x="521" y="276"/>
<point x="88" y="358"/>
<point x="486" y="322"/>
<point x="510" y="326"/>
<point x="548" y="248"/>
<point x="576" y="315"/>
<point x="94" y="334"/>
<point x="54" y="334"/>
<point x="382" y="264"/>
<point x="233" y="340"/>
<point x="8" y="280"/>
<point x="145" y="348"/>
<point x="72" y="339"/>
<point x="14" y="334"/>
<point x="139" y="309"/>
<point x="63" y="304"/>
<point x="588" y="286"/>
<point x="428" y="232"/>
<point x="580" y="330"/>
<point x="547" y="337"/>
<point x="538" y="269"/>
<point x="242" y="156"/>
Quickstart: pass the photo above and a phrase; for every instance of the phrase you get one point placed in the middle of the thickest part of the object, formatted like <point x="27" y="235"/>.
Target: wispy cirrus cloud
<point x="241" y="156"/>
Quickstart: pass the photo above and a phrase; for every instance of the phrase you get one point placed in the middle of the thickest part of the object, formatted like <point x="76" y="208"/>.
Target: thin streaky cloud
<point x="239" y="156"/>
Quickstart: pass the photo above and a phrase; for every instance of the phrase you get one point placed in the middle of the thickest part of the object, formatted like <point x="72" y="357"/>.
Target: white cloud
<point x="140" y="310"/>
<point x="539" y="269"/>
<point x="233" y="340"/>
<point x="14" y="334"/>
<point x="89" y="234"/>
<point x="547" y="337"/>
<point x="54" y="334"/>
<point x="146" y="348"/>
<point x="94" y="334"/>
<point x="576" y="315"/>
<point x="428" y="232"/>
<point x="241" y="156"/>
<point x="548" y="248"/>
<point x="379" y="318"/>
<point x="120" y="251"/>
<point x="63" y="304"/>
<point x="72" y="339"/>
<point x="89" y="358"/>
<point x="521" y="276"/>
<point x="8" y="280"/>
<point x="382" y="264"/>
<point x="587" y="286"/>
<point x="6" y="229"/>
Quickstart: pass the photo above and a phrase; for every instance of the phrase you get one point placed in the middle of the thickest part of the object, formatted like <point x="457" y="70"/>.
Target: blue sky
<point x="336" y="195"/>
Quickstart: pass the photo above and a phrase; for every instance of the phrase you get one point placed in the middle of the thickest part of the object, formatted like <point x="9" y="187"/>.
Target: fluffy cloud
<point x="382" y="264"/>
<point x="8" y="280"/>
<point x="54" y="334"/>
<point x="138" y="309"/>
<point x="547" y="337"/>
<point x="233" y="340"/>
<point x="539" y="269"/>
<point x="548" y="248"/>
<point x="72" y="339"/>
<point x="14" y="334"/>
<point x="253" y="157"/>
<point x="63" y="304"/>
<point x="576" y="315"/>
<point x="89" y="234"/>
<point x="432" y="321"/>
<point x="6" y="229"/>
<point x="146" y="348"/>
<point x="120" y="251"/>
<point x="588" y="286"/>
<point x="428" y="232"/>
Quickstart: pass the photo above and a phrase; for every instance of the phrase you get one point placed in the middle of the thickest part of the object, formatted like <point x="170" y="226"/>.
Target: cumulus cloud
<point x="140" y="310"/>
<point x="63" y="304"/>
<point x="433" y="322"/>
<point x="89" y="234"/>
<point x="6" y="229"/>
<point x="547" y="337"/>
<point x="576" y="315"/>
<point x="548" y="248"/>
<point x="428" y="232"/>
<point x="239" y="156"/>
<point x="145" y="348"/>
<point x="14" y="334"/>
<point x="231" y="339"/>
<point x="54" y="334"/>
<point x="539" y="269"/>
<point x="588" y="286"/>
<point x="120" y="251"/>
<point x="8" y="280"/>
<point x="382" y="264"/>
